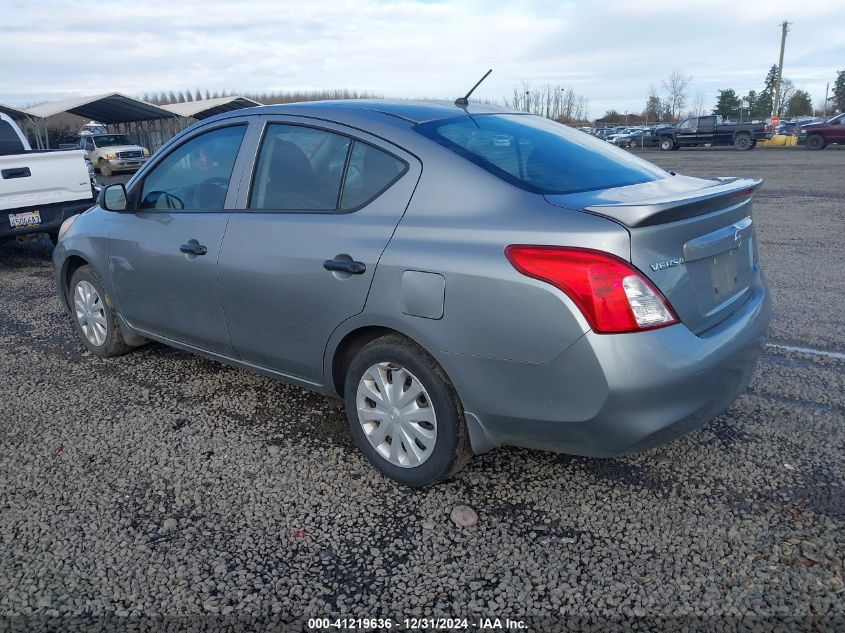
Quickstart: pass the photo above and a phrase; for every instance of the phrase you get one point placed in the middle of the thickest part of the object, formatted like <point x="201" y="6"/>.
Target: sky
<point x="609" y="51"/>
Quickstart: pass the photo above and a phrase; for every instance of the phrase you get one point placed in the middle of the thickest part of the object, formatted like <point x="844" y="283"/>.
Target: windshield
<point x="539" y="155"/>
<point x="106" y="140"/>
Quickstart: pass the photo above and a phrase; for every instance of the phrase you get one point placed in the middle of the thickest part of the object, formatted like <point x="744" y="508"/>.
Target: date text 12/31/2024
<point x="411" y="624"/>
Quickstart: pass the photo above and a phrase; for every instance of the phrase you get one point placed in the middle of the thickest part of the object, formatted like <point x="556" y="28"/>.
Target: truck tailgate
<point x="37" y="178"/>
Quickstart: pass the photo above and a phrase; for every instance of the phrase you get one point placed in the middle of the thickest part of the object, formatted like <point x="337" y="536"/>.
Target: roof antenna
<point x="463" y="102"/>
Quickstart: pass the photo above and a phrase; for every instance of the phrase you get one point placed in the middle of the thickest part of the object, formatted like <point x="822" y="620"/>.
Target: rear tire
<point x="417" y="442"/>
<point x="814" y="141"/>
<point x="743" y="142"/>
<point x="667" y="144"/>
<point x="94" y="315"/>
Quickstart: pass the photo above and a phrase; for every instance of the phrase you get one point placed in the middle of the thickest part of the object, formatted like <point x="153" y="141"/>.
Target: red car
<point x="820" y="135"/>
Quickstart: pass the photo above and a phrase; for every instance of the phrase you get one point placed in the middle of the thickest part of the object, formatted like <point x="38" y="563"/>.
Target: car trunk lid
<point x="693" y="238"/>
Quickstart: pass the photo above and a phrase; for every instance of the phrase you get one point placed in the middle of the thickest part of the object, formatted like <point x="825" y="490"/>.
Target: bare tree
<point x="553" y="101"/>
<point x="697" y="105"/>
<point x="676" y="92"/>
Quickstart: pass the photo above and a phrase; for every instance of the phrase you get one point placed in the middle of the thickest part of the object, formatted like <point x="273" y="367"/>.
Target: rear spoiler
<point x="726" y="192"/>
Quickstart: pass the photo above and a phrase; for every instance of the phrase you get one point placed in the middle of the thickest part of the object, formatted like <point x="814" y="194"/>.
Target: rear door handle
<point x="345" y="266"/>
<point x="193" y="248"/>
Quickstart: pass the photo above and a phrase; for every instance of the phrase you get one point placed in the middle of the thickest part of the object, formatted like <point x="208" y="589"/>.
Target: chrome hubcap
<point x="90" y="313"/>
<point x="396" y="415"/>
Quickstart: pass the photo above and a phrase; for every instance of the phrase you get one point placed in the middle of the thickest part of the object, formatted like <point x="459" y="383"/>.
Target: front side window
<point x="195" y="176"/>
<point x="299" y="169"/>
<point x="539" y="155"/>
<point x="9" y="141"/>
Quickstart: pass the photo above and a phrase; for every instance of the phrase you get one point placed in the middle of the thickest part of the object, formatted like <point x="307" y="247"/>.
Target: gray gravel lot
<point x="164" y="485"/>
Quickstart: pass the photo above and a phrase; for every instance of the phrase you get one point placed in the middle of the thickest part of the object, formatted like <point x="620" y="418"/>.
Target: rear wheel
<point x="94" y="315"/>
<point x="667" y="144"/>
<point x="743" y="142"/>
<point x="814" y="141"/>
<point x="404" y="413"/>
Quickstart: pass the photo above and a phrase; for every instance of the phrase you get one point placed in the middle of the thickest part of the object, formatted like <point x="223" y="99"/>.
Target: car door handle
<point x="16" y="172"/>
<point x="193" y="248"/>
<point x="345" y="266"/>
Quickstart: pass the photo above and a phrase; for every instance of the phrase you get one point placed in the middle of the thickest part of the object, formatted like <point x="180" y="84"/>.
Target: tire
<point x="105" y="341"/>
<point x="667" y="144"/>
<point x="105" y="169"/>
<point x="814" y="141"/>
<point x="430" y="454"/>
<point x="743" y="142"/>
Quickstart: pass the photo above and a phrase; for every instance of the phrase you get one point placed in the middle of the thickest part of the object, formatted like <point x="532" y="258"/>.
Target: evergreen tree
<point x="765" y="100"/>
<point x="839" y="91"/>
<point x="728" y="104"/>
<point x="799" y="104"/>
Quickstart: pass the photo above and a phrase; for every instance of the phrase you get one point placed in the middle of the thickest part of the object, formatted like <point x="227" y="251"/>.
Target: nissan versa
<point x="462" y="276"/>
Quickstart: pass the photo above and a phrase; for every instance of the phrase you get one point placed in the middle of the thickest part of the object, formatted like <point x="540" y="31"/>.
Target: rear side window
<point x="307" y="169"/>
<point x="299" y="169"/>
<point x="539" y="155"/>
<point x="10" y="143"/>
<point x="370" y="171"/>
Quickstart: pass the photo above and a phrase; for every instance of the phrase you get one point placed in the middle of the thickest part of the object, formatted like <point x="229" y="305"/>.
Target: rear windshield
<point x="539" y="155"/>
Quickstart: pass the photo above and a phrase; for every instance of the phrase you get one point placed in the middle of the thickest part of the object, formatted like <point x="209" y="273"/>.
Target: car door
<point x="163" y="252"/>
<point x="686" y="131"/>
<point x="706" y="129"/>
<point x="836" y="130"/>
<point x="315" y="213"/>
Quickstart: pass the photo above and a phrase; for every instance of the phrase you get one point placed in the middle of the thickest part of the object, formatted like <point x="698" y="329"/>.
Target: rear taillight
<point x="613" y="295"/>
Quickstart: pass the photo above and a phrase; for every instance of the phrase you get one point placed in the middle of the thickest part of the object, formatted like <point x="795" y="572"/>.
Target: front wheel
<point x="667" y="144"/>
<point x="404" y="413"/>
<point x="94" y="314"/>
<point x="105" y="168"/>
<point x="743" y="142"/>
<point x="814" y="141"/>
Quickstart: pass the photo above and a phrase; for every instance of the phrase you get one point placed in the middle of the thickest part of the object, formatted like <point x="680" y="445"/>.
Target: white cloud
<point x="609" y="50"/>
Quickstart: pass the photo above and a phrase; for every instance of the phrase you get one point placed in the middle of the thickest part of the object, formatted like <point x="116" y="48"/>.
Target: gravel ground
<point x="164" y="490"/>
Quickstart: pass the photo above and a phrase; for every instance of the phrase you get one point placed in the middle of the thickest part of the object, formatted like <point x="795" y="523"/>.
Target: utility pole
<point x="776" y="102"/>
<point x="826" y="90"/>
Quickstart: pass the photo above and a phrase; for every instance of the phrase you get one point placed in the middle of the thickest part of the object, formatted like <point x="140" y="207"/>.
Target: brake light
<point x="614" y="296"/>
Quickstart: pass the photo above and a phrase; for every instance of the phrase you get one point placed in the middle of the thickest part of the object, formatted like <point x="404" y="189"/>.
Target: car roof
<point x="410" y="111"/>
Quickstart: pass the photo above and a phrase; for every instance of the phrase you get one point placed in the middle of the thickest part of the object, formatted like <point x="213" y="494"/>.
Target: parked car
<point x="636" y="138"/>
<point x="820" y="135"/>
<point x="711" y="130"/>
<point x="110" y="153"/>
<point x="457" y="292"/>
<point x="39" y="188"/>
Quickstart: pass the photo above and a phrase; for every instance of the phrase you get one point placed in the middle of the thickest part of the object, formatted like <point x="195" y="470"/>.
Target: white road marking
<point x="808" y="350"/>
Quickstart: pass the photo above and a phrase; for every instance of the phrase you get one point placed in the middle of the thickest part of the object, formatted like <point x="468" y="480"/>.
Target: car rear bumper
<point x="609" y="395"/>
<point x="52" y="216"/>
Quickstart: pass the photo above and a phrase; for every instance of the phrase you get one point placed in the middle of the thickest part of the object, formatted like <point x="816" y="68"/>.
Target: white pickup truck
<point x="39" y="188"/>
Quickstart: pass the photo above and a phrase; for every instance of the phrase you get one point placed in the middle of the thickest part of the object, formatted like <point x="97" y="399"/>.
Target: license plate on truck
<point x="28" y="218"/>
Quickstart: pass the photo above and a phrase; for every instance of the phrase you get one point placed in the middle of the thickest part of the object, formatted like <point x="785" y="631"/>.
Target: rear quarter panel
<point x="458" y="224"/>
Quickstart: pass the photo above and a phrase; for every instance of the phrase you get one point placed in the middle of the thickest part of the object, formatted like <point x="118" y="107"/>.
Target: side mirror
<point x="113" y="198"/>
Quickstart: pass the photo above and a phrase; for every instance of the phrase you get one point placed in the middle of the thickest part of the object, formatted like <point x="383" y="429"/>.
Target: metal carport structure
<point x="149" y="124"/>
<point x="205" y="108"/>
